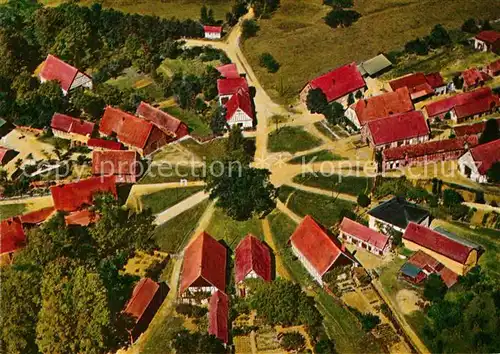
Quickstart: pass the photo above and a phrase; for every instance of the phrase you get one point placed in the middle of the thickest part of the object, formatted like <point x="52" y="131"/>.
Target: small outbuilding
<point x="375" y="66"/>
<point x="218" y="316"/>
<point x="252" y="260"/>
<point x="212" y="32"/>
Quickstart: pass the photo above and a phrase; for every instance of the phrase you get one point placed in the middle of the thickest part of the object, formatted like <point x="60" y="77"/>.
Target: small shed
<point x="375" y="66"/>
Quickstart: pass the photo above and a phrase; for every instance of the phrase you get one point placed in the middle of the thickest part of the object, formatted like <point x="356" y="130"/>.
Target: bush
<point x="363" y="200"/>
<point x="292" y="341"/>
<point x="324" y="346"/>
<point x="435" y="288"/>
<point x="268" y="61"/>
<point x="417" y="46"/>
<point x="249" y="28"/>
<point x="451" y="198"/>
<point x="341" y="18"/>
<point x="191" y="310"/>
<point x="470" y="26"/>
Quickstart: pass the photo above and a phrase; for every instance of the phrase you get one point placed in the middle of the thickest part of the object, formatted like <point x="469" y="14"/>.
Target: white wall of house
<point x="411" y="141"/>
<point x="350" y="114"/>
<point x="310" y="269"/>
<point x="480" y="45"/>
<point x="468" y="168"/>
<point x="382" y="226"/>
<point x="240" y="118"/>
<point x="212" y="35"/>
<point x="441" y="90"/>
<point x="70" y="136"/>
<point x="81" y="80"/>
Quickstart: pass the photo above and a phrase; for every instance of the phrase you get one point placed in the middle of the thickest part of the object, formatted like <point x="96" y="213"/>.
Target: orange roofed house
<point x="487" y="41"/>
<point x="122" y="164"/>
<point x="171" y="126"/>
<point x="218" y="316"/>
<point x="75" y="196"/>
<point x="66" y="127"/>
<point x="337" y="84"/>
<point x="134" y="132"/>
<point x="316" y="250"/>
<point x="473" y="78"/>
<point x="12" y="238"/>
<point x="204" y="268"/>
<point x="421" y="85"/>
<point x="146" y="299"/>
<point x="476" y="162"/>
<point x="252" y="260"/>
<point x="68" y="76"/>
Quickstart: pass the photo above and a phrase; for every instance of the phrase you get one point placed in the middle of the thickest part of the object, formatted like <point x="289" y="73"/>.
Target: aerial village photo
<point x="249" y="176"/>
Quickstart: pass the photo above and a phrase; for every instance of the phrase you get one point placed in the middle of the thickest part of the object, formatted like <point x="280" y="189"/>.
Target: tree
<point x="185" y="342"/>
<point x="316" y="101"/>
<point x="486" y="26"/>
<point x="493" y="173"/>
<point x="439" y="37"/>
<point x="241" y="191"/>
<point x="264" y="8"/>
<point x="341" y="18"/>
<point x="292" y="341"/>
<point x="207" y="16"/>
<point x="470" y="26"/>
<point x="218" y="122"/>
<point x="363" y="200"/>
<point x="350" y="99"/>
<point x="86" y="102"/>
<point x="435" y="288"/>
<point x="458" y="82"/>
<point x="359" y="94"/>
<point x="451" y="198"/>
<point x="334" y="113"/>
<point x="417" y="46"/>
<point x="490" y="132"/>
<point x="267" y="60"/>
<point x="249" y="28"/>
<point x="324" y="346"/>
<point x="236" y="147"/>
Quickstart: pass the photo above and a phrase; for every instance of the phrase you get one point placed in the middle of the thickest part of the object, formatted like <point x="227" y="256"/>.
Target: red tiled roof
<point x="361" y="232"/>
<point x="486" y="155"/>
<point x="73" y="196"/>
<point x="104" y="144"/>
<point x="166" y="122"/>
<point x="142" y="296"/>
<point x="447" y="104"/>
<point x="471" y="129"/>
<point x="398" y="127"/>
<point x="71" y="125"/>
<point x="204" y="264"/>
<point x="12" y="235"/>
<point x="218" y="316"/>
<point x="488" y="36"/>
<point x="81" y="217"/>
<point x="383" y="105"/>
<point x="252" y="255"/>
<point x="429" y="148"/>
<point x="123" y="164"/>
<point x="240" y="100"/>
<point x="435" y="80"/>
<point x="129" y="129"/>
<point x="434" y="241"/>
<point x="494" y="67"/>
<point x="339" y="82"/>
<point x="419" y="84"/>
<point x="231" y="86"/>
<point x="409" y="81"/>
<point x="449" y="277"/>
<point x="229" y="71"/>
<point x="475" y="107"/>
<point x="425" y="261"/>
<point x="312" y="241"/>
<point x="56" y="69"/>
<point x="474" y="77"/>
<point x="212" y="29"/>
<point x="37" y="217"/>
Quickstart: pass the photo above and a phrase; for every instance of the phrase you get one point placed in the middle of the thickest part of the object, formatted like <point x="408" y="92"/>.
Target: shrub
<point x="268" y="61"/>
<point x="292" y="341"/>
<point x="458" y="82"/>
<point x="341" y="18"/>
<point x="451" y="198"/>
<point x="417" y="46"/>
<point x="470" y="26"/>
<point x="324" y="346"/>
<point x="363" y="200"/>
<point x="435" y="288"/>
<point x="191" y="310"/>
<point x="249" y="28"/>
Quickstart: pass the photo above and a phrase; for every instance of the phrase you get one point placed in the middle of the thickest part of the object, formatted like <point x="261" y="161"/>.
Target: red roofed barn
<point x="458" y="257"/>
<point x="204" y="267"/>
<point x="475" y="163"/>
<point x="252" y="260"/>
<point x="66" y="127"/>
<point x="337" y="84"/>
<point x="421" y="85"/>
<point x="77" y="195"/>
<point x="487" y="41"/>
<point x="218" y="316"/>
<point x="146" y="299"/>
<point x="316" y="250"/>
<point x="364" y="237"/>
<point x="68" y="76"/>
<point x="122" y="164"/>
<point x="212" y="32"/>
<point x="170" y="125"/>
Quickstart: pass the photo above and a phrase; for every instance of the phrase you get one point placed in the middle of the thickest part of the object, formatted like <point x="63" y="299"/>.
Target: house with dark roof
<point x="67" y="127"/>
<point x="421" y="85"/>
<point x="364" y="237"/>
<point x="487" y="41"/>
<point x="121" y="164"/>
<point x="428" y="152"/>
<point x="146" y="300"/>
<point x="397" y="130"/>
<point x="78" y="195"/>
<point x="457" y="256"/>
<point x="467" y="105"/>
<point x="252" y="260"/>
<point x="473" y="78"/>
<point x="476" y="162"/>
<point x="171" y="126"/>
<point x="69" y="77"/>
<point x="218" y="316"/>
<point x="337" y="84"/>
<point x="102" y="144"/>
<point x="396" y="214"/>
<point x="12" y="238"/>
<point x="6" y="155"/>
<point x="212" y="32"/>
<point x="376" y="107"/>
<point x="375" y="66"/>
<point x="420" y="265"/>
<point x="317" y="250"/>
<point x="135" y="133"/>
<point x="204" y="267"/>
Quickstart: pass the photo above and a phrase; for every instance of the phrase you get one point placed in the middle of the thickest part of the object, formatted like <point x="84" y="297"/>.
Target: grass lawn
<point x="306" y="47"/>
<point x="326" y="210"/>
<point x="222" y="227"/>
<point x="181" y="9"/>
<point x="161" y="334"/>
<point x="166" y="174"/>
<point x="196" y="125"/>
<point x="284" y="192"/>
<point x="162" y="200"/>
<point x="292" y="139"/>
<point x="9" y="210"/>
<point x="132" y="79"/>
<point x="323" y="155"/>
<point x="196" y="67"/>
<point x="352" y="185"/>
<point x="323" y="130"/>
<point x="213" y="150"/>
<point x="172" y="236"/>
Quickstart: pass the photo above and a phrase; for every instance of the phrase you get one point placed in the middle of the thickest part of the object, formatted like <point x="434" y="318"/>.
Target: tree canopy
<point x="316" y="101"/>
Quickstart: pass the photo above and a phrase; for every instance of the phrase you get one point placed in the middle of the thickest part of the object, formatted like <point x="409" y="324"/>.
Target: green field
<point x="352" y="185"/>
<point x="323" y="155"/>
<point x="162" y="200"/>
<point x="167" y="174"/>
<point x="172" y="236"/>
<point x="181" y="9"/>
<point x="222" y="227"/>
<point x="196" y="125"/>
<point x="213" y="150"/>
<point x="292" y="139"/>
<point x="161" y="334"/>
<point x="9" y="210"/>
<point x="169" y="67"/>
<point x="306" y="47"/>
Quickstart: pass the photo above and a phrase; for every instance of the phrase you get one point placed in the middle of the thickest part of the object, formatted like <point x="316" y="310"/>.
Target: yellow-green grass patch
<point x="164" y="199"/>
